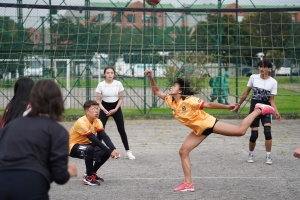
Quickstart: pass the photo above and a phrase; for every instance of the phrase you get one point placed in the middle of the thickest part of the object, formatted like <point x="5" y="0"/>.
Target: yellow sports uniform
<point x="81" y="129"/>
<point x="189" y="112"/>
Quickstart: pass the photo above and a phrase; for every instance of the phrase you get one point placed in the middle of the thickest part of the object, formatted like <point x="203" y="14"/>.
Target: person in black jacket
<point x="86" y="137"/>
<point x="34" y="149"/>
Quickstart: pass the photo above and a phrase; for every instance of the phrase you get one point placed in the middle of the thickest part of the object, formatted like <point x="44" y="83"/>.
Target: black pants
<point x="23" y="184"/>
<point x="119" y="120"/>
<point x="90" y="154"/>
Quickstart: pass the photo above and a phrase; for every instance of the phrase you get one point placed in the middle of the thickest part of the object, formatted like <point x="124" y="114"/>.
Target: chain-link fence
<point x="73" y="41"/>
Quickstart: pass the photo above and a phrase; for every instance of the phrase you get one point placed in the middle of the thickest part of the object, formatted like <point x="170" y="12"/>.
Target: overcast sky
<point x="32" y="19"/>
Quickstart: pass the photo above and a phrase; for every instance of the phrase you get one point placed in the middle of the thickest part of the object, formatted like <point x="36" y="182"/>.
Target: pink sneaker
<point x="185" y="187"/>
<point x="265" y="109"/>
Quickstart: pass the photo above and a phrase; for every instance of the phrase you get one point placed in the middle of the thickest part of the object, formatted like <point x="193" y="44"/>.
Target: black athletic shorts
<point x="264" y="120"/>
<point x="80" y="151"/>
<point x="208" y="131"/>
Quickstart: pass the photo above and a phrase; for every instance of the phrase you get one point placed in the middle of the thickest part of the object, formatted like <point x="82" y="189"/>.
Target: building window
<point x="100" y="17"/>
<point x="131" y="18"/>
<point x="147" y="18"/>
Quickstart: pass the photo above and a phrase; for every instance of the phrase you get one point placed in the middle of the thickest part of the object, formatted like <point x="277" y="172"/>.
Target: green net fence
<point x="72" y="41"/>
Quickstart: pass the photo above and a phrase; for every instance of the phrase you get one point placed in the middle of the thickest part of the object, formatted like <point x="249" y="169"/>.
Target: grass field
<point x="286" y="100"/>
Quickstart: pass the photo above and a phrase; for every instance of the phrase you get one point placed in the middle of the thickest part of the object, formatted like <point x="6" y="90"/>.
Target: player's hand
<point x="111" y="112"/>
<point x="105" y="111"/>
<point x="72" y="169"/>
<point x="236" y="108"/>
<point x="231" y="106"/>
<point x="115" y="154"/>
<point x="277" y="115"/>
<point x="148" y="72"/>
<point x="297" y="153"/>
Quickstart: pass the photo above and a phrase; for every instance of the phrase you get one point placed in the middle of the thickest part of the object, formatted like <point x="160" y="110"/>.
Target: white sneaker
<point x="268" y="160"/>
<point x="130" y="155"/>
<point x="250" y="158"/>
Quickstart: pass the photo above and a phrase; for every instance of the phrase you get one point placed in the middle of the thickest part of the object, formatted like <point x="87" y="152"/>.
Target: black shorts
<point x="264" y="120"/>
<point x="208" y="131"/>
<point x="80" y="151"/>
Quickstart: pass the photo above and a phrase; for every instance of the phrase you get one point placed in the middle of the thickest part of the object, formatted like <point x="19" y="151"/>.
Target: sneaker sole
<point x="269" y="163"/>
<point x="129" y="158"/>
<point x="185" y="190"/>
<point x="250" y="161"/>
<point x="88" y="183"/>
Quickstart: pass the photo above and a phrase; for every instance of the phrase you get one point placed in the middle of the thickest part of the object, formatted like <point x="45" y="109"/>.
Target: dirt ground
<point x="219" y="167"/>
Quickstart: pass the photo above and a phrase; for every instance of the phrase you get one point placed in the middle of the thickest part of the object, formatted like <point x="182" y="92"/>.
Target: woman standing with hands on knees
<point x="110" y="97"/>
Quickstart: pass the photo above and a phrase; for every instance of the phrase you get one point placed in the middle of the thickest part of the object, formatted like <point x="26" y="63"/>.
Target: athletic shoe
<point x="265" y="109"/>
<point x="250" y="158"/>
<point x="268" y="160"/>
<point x="98" y="178"/>
<point x="130" y="155"/>
<point x="90" y="180"/>
<point x="185" y="187"/>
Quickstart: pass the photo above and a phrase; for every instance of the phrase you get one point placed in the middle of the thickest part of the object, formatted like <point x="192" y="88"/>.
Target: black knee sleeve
<point x="254" y="136"/>
<point x="267" y="132"/>
<point x="89" y="152"/>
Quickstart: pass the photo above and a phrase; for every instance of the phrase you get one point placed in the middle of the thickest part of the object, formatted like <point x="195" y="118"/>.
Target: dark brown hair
<point x="184" y="87"/>
<point x="89" y="103"/>
<point x="46" y="98"/>
<point x="106" y="68"/>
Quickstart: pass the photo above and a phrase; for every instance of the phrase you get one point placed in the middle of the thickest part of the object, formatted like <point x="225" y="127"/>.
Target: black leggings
<point x="23" y="184"/>
<point x="119" y="120"/>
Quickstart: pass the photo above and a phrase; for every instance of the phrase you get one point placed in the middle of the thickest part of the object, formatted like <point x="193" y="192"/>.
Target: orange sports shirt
<point x="81" y="129"/>
<point x="189" y="112"/>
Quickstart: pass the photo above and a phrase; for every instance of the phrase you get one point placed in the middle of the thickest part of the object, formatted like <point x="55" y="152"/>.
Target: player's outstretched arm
<point x="154" y="87"/>
<point x="242" y="99"/>
<point x="215" y="105"/>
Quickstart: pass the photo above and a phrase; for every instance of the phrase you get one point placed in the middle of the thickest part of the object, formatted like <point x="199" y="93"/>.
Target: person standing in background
<point x="109" y="95"/>
<point x="264" y="91"/>
<point x="225" y="87"/>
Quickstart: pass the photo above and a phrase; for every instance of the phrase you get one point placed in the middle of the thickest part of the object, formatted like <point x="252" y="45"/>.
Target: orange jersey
<point x="81" y="129"/>
<point x="189" y="112"/>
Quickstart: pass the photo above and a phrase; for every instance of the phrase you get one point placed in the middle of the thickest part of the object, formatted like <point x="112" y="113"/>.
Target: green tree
<point x="207" y="32"/>
<point x="13" y="40"/>
<point x="265" y="30"/>
<point x="68" y="33"/>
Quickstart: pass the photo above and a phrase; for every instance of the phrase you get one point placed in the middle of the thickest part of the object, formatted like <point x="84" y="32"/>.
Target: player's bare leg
<point x="232" y="130"/>
<point x="188" y="145"/>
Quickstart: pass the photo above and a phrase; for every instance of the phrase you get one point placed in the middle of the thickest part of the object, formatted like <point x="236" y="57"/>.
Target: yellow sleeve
<point x="196" y="103"/>
<point x="168" y="100"/>
<point x="82" y="128"/>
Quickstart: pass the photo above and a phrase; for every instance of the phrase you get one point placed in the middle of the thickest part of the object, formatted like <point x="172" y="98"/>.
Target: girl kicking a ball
<point x="188" y="110"/>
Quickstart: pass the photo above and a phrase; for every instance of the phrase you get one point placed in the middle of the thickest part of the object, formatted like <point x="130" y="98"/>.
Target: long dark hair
<point x="46" y="99"/>
<point x="184" y="87"/>
<point x="20" y="100"/>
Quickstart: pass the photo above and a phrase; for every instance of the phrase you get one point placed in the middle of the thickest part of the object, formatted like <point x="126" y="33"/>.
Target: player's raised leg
<point x="232" y="130"/>
<point x="188" y="145"/>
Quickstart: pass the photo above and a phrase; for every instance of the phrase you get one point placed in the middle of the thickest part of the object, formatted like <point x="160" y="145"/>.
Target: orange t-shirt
<point x="81" y="129"/>
<point x="189" y="112"/>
